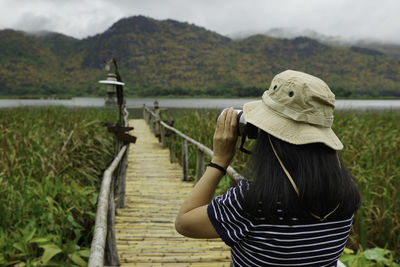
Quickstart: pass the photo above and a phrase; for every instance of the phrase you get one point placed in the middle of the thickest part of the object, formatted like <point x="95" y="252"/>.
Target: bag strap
<point x="295" y="186"/>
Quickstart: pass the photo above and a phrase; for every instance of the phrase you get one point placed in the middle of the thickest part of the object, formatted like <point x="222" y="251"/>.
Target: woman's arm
<point x="192" y="219"/>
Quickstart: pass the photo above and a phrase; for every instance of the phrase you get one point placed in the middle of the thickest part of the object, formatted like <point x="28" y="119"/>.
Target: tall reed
<point x="372" y="154"/>
<point x="51" y="162"/>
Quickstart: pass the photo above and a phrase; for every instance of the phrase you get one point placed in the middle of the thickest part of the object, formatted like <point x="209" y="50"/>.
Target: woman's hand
<point x="225" y="137"/>
<point x="192" y="219"/>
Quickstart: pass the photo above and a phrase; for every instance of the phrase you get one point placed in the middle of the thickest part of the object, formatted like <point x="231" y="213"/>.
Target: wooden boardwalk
<point x="145" y="230"/>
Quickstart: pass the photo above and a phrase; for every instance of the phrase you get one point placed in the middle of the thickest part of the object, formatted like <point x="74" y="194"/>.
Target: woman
<point x="299" y="207"/>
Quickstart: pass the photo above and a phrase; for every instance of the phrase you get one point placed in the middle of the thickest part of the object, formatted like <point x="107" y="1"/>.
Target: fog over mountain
<point x="387" y="47"/>
<point x="291" y="33"/>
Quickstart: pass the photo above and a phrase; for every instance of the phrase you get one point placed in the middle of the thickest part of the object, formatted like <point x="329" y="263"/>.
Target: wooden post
<point x="151" y="123"/>
<point x="172" y="153"/>
<point x="122" y="181"/>
<point x="158" y="126"/>
<point x="185" y="160"/>
<point x="110" y="253"/>
<point x="121" y="173"/>
<point x="163" y="140"/>
<point x="199" y="165"/>
<point x="146" y="112"/>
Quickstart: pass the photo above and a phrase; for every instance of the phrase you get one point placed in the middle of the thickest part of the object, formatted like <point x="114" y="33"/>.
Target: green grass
<point x="371" y="153"/>
<point x="51" y="163"/>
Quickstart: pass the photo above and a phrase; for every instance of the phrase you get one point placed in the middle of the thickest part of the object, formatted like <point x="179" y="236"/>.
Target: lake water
<point x="207" y="103"/>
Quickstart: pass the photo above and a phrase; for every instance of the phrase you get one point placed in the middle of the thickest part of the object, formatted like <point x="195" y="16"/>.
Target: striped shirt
<point x="257" y="243"/>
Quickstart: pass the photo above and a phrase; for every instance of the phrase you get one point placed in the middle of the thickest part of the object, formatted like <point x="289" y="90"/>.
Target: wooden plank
<point x="144" y="228"/>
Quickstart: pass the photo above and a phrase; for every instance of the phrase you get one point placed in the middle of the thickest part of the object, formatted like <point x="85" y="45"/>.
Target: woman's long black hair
<point x="323" y="183"/>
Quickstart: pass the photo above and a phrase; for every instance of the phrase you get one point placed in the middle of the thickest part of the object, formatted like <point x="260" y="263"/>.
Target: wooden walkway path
<point x="145" y="230"/>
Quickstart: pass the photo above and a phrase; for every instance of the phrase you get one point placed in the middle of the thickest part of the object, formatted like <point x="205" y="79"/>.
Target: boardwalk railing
<point x="157" y="125"/>
<point x="103" y="248"/>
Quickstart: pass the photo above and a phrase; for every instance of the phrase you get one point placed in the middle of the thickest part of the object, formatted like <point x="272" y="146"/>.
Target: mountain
<point x="175" y="58"/>
<point x="389" y="49"/>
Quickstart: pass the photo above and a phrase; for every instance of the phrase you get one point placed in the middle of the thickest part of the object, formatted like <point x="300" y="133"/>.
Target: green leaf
<point x="84" y="253"/>
<point x="91" y="214"/>
<point x="14" y="263"/>
<point x="20" y="247"/>
<point x="28" y="236"/>
<point x="50" y="200"/>
<point x="40" y="240"/>
<point x="377" y="254"/>
<point x="348" y="251"/>
<point x="347" y="259"/>
<point x="94" y="198"/>
<point x="71" y="219"/>
<point x="77" y="259"/>
<point x="50" y="251"/>
<point x="19" y="255"/>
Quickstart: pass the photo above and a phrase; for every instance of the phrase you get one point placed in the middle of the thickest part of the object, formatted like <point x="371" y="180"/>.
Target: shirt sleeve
<point x="227" y="216"/>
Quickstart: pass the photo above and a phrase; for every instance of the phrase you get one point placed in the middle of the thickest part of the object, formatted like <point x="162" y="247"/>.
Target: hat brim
<point x="286" y="129"/>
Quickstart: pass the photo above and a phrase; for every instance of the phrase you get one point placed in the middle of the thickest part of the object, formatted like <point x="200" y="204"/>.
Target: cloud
<point x="31" y="22"/>
<point x="80" y="18"/>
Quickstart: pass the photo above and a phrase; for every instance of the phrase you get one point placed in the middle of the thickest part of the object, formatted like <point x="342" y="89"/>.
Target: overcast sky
<point x="351" y="19"/>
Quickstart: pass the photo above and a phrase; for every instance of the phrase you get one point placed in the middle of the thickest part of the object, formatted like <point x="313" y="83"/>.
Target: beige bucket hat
<point x="297" y="108"/>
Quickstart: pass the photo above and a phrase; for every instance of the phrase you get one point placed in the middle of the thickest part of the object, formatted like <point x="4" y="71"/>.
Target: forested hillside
<point x="174" y="58"/>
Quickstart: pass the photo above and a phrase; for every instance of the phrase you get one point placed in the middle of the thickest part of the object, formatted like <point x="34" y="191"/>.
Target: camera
<point x="245" y="129"/>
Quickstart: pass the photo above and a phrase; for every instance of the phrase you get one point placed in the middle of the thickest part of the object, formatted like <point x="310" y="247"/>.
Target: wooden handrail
<point x="97" y="247"/>
<point x="103" y="247"/>
<point x="230" y="171"/>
